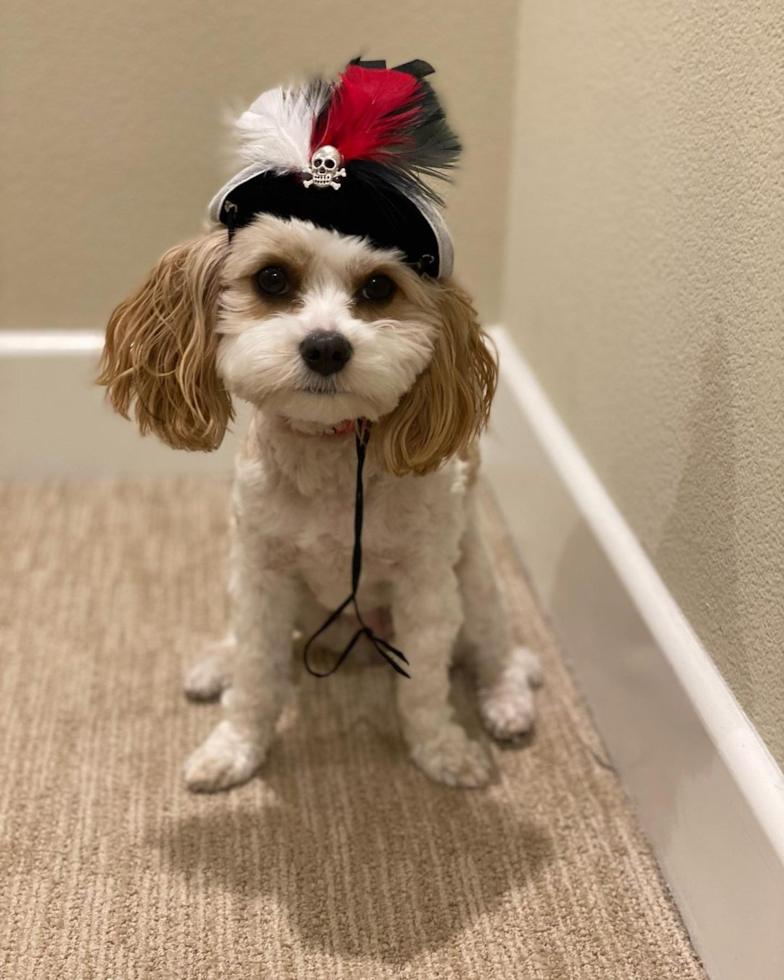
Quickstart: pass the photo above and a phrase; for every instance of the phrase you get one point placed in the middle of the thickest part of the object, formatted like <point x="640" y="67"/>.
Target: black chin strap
<point x="384" y="649"/>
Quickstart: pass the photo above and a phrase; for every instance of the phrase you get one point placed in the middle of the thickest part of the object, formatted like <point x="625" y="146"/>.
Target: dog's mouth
<point x="322" y="400"/>
<point x="321" y="388"/>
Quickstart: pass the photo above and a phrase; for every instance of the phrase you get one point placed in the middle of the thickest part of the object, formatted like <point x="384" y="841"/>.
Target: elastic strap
<point x="384" y="649"/>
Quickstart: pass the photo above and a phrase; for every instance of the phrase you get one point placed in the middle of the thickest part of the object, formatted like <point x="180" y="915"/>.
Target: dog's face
<point x="319" y="327"/>
<point x="304" y="323"/>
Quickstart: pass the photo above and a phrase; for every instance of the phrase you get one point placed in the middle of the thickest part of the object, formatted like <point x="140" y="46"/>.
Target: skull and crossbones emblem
<point x="324" y="169"/>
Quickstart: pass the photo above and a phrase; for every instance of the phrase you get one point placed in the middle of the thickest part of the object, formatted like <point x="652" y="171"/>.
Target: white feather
<point x="274" y="134"/>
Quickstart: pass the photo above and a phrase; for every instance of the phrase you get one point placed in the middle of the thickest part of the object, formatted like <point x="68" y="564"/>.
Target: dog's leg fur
<point x="427" y="615"/>
<point x="505" y="673"/>
<point x="211" y="675"/>
<point x="264" y="607"/>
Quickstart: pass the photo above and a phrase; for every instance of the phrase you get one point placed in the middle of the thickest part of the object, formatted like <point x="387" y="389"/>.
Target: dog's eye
<point x="272" y="279"/>
<point x="378" y="288"/>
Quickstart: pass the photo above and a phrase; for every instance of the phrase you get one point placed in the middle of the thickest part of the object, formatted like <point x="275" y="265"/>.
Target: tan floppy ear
<point x="160" y="349"/>
<point x="449" y="404"/>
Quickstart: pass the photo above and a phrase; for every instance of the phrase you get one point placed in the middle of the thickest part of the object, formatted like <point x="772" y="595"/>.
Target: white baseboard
<point x="50" y="343"/>
<point x="705" y="787"/>
<point x="56" y="422"/>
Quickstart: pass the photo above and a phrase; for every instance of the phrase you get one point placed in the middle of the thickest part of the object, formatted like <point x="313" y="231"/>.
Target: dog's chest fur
<point x="296" y="494"/>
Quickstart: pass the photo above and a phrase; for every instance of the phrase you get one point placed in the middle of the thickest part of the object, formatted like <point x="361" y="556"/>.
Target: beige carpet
<point x="341" y="860"/>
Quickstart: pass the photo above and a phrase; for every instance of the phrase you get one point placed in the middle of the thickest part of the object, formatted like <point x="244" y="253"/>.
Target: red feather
<point x="372" y="110"/>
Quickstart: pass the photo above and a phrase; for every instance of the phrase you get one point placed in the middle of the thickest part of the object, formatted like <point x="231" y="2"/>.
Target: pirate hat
<point x="351" y="155"/>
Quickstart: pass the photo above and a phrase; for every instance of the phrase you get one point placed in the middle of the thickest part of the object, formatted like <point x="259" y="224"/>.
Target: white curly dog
<point x="316" y="329"/>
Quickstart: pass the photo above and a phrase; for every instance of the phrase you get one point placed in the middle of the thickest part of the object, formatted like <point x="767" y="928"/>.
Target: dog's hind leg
<point x="211" y="675"/>
<point x="505" y="672"/>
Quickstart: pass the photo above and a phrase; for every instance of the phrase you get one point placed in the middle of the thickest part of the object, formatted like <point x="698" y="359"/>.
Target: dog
<point x="323" y="297"/>
<point x="314" y="328"/>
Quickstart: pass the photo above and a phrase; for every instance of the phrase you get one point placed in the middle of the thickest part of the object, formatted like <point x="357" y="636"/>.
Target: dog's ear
<point x="161" y="345"/>
<point x="449" y="404"/>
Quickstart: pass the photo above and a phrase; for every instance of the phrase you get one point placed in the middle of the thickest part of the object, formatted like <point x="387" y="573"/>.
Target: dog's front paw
<point x="453" y="759"/>
<point x="226" y="759"/>
<point x="508" y="709"/>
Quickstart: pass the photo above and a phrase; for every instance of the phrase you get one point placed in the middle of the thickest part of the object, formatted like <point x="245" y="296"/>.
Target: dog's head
<point x="305" y="323"/>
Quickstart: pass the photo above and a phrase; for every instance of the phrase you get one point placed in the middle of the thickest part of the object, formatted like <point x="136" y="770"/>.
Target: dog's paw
<point x="527" y="662"/>
<point x="508" y="709"/>
<point x="508" y="714"/>
<point x="226" y="759"/>
<point x="209" y="677"/>
<point x="453" y="759"/>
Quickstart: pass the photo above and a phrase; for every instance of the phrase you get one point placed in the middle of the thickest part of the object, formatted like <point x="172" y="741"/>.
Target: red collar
<point x="344" y="428"/>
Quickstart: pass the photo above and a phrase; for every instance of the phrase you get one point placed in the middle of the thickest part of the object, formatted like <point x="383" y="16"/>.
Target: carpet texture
<point x="341" y="860"/>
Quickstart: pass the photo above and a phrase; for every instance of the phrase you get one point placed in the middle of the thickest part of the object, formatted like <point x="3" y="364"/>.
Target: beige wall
<point x="646" y="286"/>
<point x="112" y="132"/>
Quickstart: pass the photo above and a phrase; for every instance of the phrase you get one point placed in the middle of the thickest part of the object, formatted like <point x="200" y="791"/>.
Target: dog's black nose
<point x="326" y="352"/>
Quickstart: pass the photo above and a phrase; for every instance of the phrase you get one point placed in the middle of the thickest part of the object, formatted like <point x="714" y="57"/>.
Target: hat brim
<point x="358" y="208"/>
